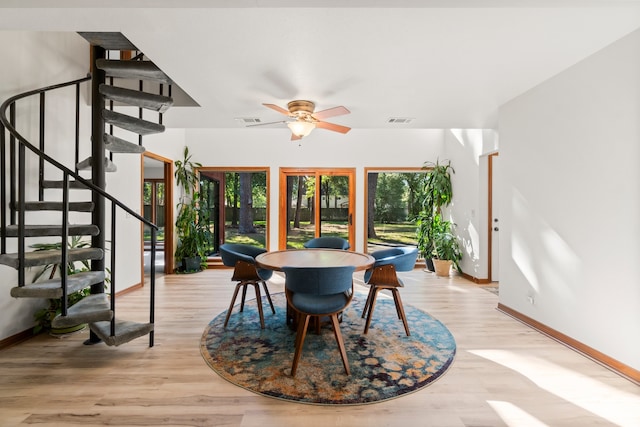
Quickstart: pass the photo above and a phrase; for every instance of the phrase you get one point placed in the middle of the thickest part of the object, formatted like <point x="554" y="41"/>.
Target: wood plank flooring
<point x="505" y="374"/>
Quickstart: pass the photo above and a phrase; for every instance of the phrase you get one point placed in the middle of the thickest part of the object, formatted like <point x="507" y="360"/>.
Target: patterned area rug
<point x="384" y="364"/>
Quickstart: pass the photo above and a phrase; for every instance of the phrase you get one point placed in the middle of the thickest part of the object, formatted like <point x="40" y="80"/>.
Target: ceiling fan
<point x="305" y="120"/>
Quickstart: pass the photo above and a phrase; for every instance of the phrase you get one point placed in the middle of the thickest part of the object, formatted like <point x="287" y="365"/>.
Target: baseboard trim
<point x="16" y="339"/>
<point x="614" y="365"/>
<point x="476" y="280"/>
<point x="129" y="289"/>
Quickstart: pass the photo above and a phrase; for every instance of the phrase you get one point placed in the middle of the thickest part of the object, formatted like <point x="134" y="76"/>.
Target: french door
<point x="314" y="203"/>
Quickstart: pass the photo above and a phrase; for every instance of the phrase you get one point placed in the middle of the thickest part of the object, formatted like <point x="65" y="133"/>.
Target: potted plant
<point x="193" y="233"/>
<point x="45" y="315"/>
<point x="424" y="233"/>
<point x="446" y="249"/>
<point x="438" y="193"/>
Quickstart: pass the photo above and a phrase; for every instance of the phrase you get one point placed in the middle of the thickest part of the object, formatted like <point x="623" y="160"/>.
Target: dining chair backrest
<point x="315" y="293"/>
<point x="231" y="253"/>
<point x="327" y="242"/>
<point x="402" y="259"/>
<point x="319" y="280"/>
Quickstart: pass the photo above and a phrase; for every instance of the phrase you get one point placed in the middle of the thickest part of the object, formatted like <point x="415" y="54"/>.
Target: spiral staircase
<point x="65" y="192"/>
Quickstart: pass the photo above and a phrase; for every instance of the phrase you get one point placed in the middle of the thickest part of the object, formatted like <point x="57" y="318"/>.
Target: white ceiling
<point x="445" y="67"/>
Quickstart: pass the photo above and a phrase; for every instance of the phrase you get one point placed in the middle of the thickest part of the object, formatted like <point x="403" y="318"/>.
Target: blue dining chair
<point x="242" y="258"/>
<point x="316" y="292"/>
<point x="327" y="242"/>
<point x="383" y="276"/>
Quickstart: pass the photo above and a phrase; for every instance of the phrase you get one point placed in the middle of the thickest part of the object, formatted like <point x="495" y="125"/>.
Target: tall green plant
<point x="438" y="189"/>
<point x="186" y="175"/>
<point x="192" y="229"/>
<point x="193" y="232"/>
<point x="438" y="193"/>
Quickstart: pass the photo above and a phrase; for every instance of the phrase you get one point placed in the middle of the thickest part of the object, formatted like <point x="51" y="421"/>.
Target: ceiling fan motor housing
<point x="301" y="108"/>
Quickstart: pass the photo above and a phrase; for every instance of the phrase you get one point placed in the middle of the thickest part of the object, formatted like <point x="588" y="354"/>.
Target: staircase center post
<point x="97" y="154"/>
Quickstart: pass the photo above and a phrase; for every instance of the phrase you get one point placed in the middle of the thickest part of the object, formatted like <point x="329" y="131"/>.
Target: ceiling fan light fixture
<point x="301" y="128"/>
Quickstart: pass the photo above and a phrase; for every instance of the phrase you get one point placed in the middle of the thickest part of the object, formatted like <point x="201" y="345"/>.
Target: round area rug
<point x="384" y="364"/>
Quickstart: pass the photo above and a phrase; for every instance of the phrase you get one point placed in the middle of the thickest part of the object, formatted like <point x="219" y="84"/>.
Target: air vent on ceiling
<point x="400" y="120"/>
<point x="249" y="120"/>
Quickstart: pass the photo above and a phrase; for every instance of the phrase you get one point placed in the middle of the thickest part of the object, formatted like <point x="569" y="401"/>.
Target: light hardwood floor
<point x="504" y="374"/>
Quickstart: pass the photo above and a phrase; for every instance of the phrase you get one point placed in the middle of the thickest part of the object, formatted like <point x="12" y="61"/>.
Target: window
<point x="237" y="202"/>
<point x="394" y="198"/>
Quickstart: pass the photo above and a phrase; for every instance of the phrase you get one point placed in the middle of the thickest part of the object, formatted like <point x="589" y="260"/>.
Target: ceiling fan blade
<point x="277" y="108"/>
<point x="266" y="123"/>
<point x="295" y="137"/>
<point x="332" y="126"/>
<point x="331" y="112"/>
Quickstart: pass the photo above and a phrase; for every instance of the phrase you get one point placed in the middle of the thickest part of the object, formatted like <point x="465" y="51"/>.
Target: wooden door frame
<point x="169" y="263"/>
<point x="317" y="172"/>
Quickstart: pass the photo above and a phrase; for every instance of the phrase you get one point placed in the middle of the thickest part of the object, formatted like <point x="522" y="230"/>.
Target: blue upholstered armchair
<point x="383" y="276"/>
<point x="316" y="292"/>
<point x="327" y="242"/>
<point x="242" y="258"/>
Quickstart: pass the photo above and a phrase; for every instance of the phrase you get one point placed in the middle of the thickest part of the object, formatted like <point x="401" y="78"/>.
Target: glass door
<point x="210" y="201"/>
<point x="153" y="196"/>
<point x="314" y="203"/>
<point x="334" y="214"/>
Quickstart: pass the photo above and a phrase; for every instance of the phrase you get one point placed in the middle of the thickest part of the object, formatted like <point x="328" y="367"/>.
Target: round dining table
<point x="314" y="258"/>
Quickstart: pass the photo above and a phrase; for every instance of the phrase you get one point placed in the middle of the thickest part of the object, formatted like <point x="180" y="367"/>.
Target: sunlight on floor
<point x="458" y="289"/>
<point x="514" y="416"/>
<point x="607" y="402"/>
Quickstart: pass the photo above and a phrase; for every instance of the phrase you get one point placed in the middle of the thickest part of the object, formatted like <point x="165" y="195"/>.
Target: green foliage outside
<point x="397" y="206"/>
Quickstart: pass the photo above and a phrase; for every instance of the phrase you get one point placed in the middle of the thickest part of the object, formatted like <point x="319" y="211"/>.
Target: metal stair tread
<point x="125" y="331"/>
<point x="108" y="40"/>
<point x="132" y="124"/>
<point x="87" y="163"/>
<point x="74" y="185"/>
<point x="39" y="230"/>
<point x="149" y="101"/>
<point x="90" y="309"/>
<point x="56" y="206"/>
<point x="119" y="145"/>
<point x="52" y="288"/>
<point x="136" y="70"/>
<point x="52" y="256"/>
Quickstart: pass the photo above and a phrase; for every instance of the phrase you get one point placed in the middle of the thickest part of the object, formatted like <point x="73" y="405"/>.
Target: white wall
<point x="570" y="224"/>
<point x="469" y="206"/>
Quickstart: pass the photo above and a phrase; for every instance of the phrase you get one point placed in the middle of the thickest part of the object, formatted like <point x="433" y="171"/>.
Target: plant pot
<point x="191" y="264"/>
<point x="443" y="267"/>
<point x="62" y="332"/>
<point x="428" y="262"/>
